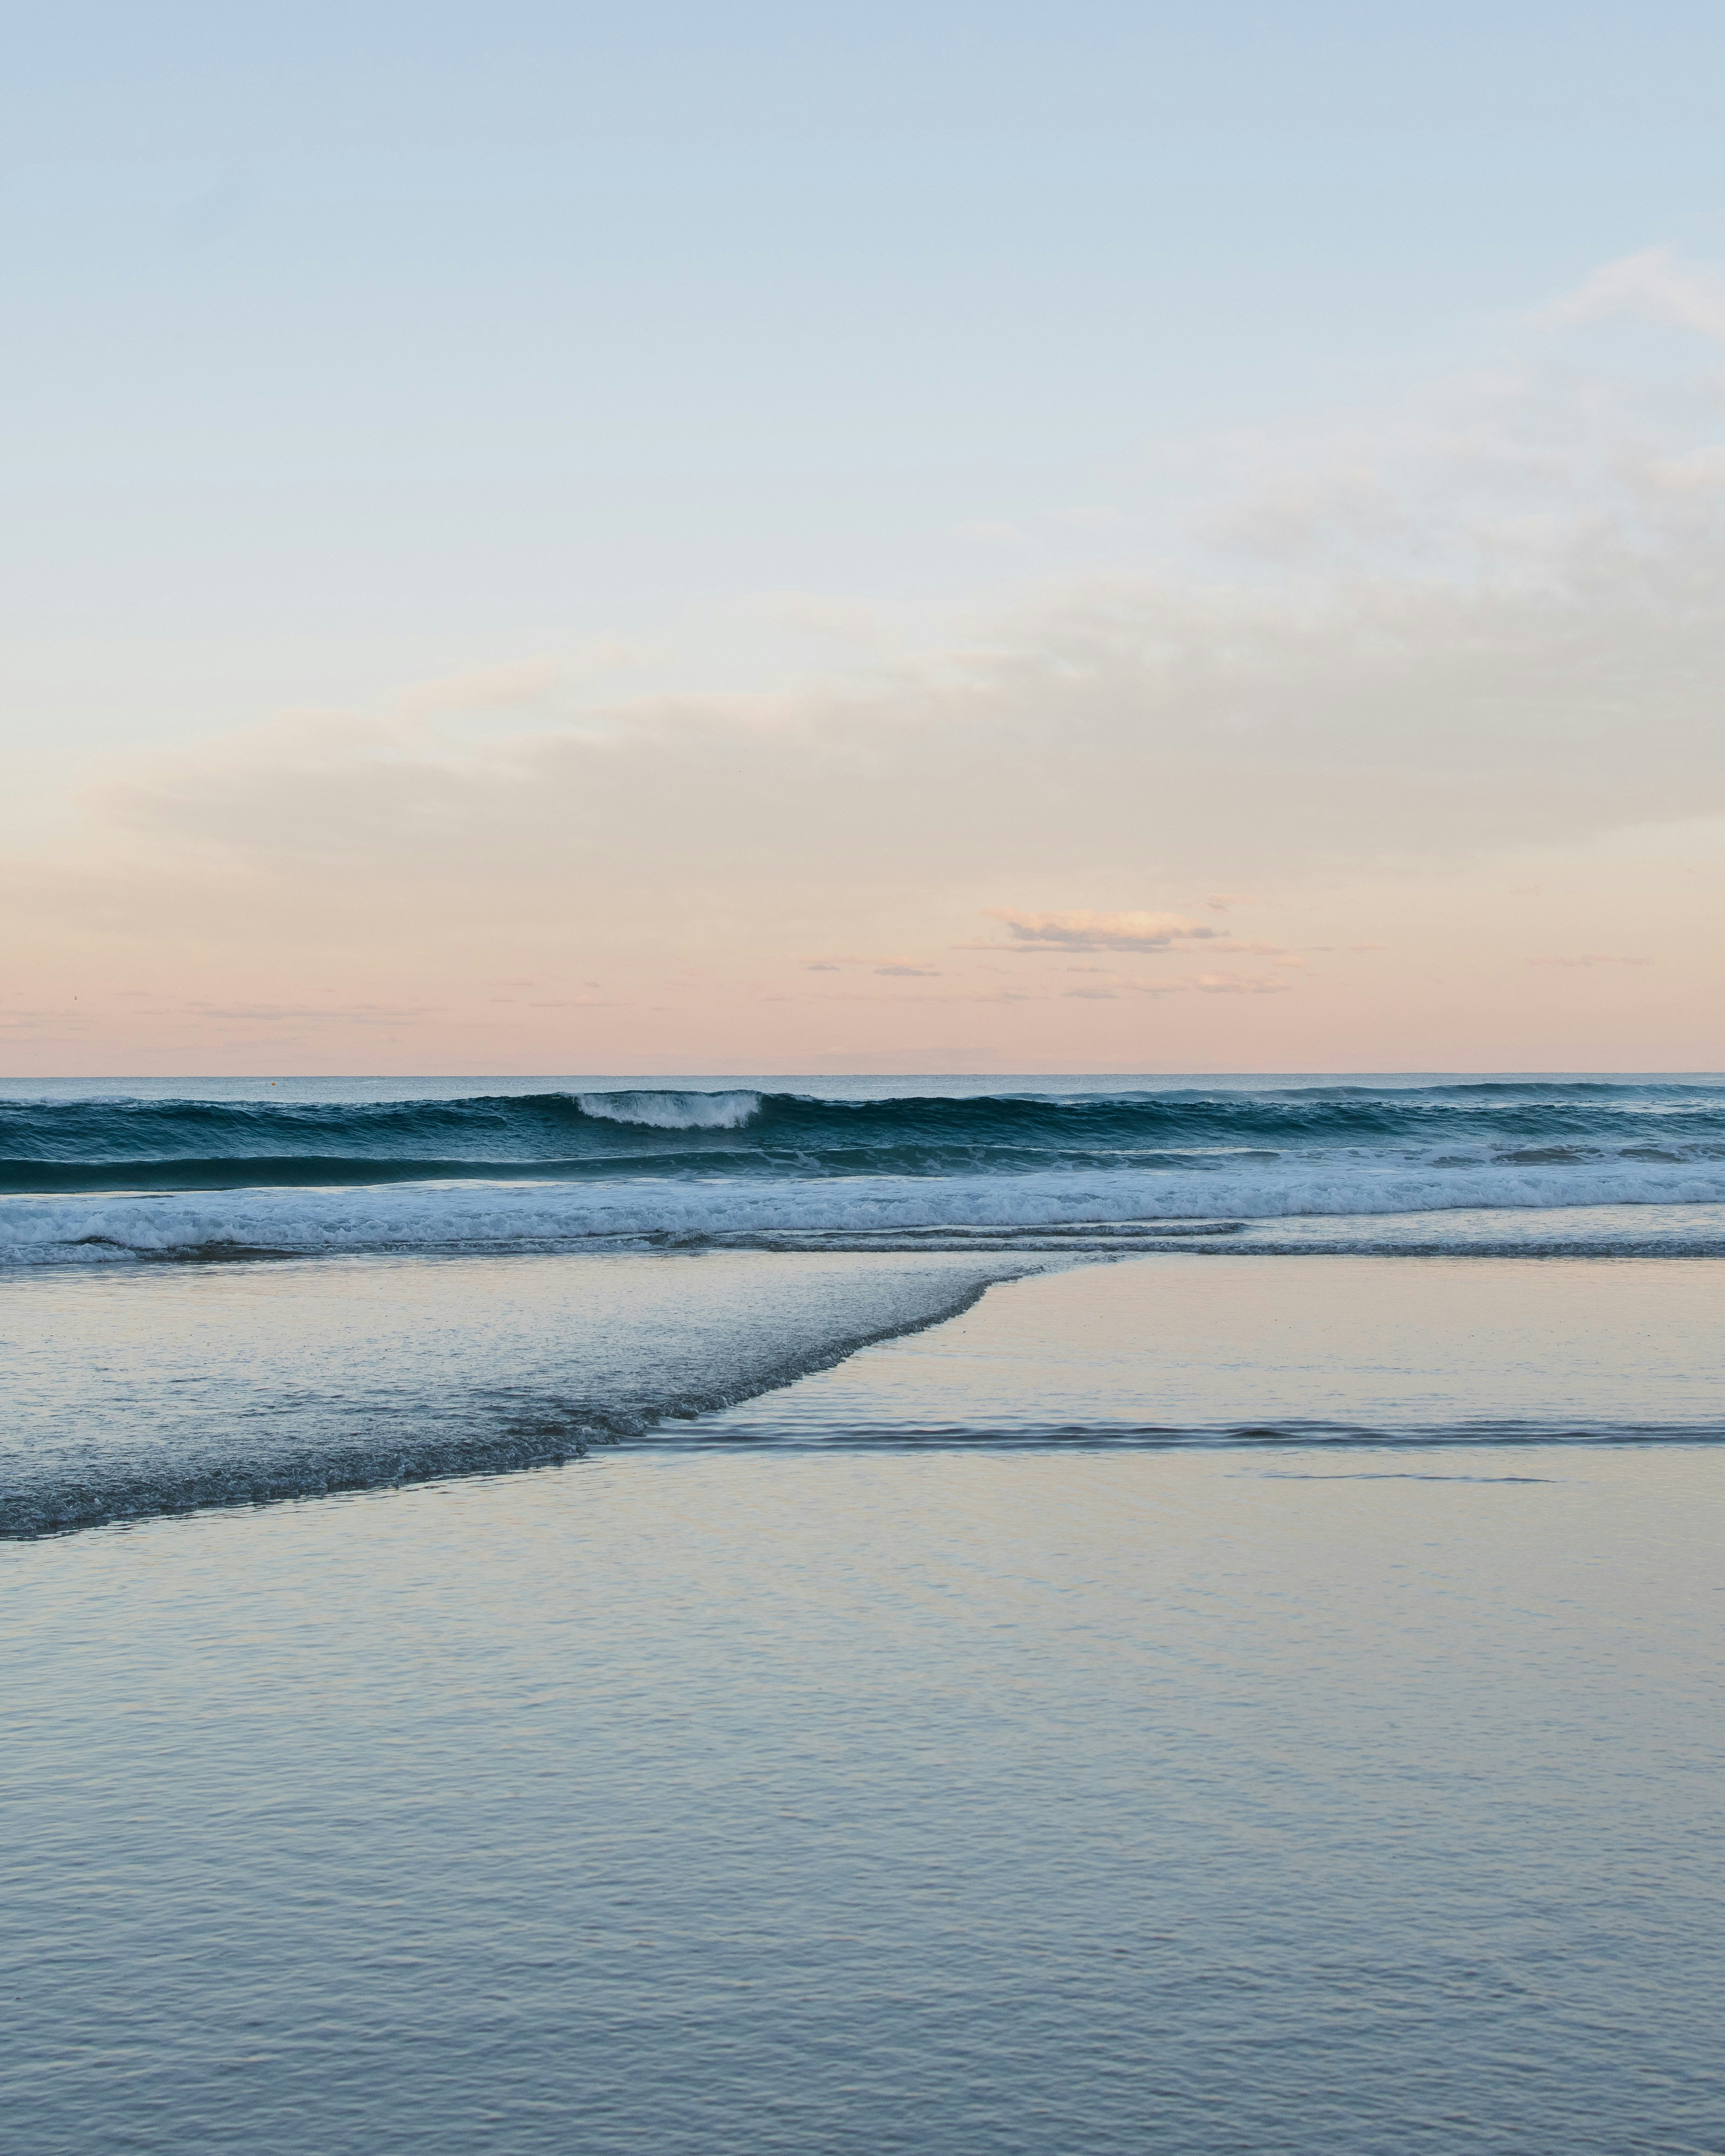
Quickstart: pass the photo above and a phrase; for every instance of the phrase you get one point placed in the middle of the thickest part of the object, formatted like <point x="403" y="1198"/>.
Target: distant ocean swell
<point x="89" y="1181"/>
<point x="87" y="1144"/>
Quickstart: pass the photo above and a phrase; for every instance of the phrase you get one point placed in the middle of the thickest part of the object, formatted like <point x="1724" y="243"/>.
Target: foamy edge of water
<point x="478" y="1215"/>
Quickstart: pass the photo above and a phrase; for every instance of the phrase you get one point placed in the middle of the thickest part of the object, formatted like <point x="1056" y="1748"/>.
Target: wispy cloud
<point x="1657" y="285"/>
<point x="1392" y="668"/>
<point x="1229" y="984"/>
<point x="907" y="969"/>
<point x="496" y="688"/>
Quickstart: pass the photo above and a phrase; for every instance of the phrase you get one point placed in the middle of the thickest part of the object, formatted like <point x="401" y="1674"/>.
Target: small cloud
<point x="897" y="968"/>
<point x="1220" y="902"/>
<point x="29" y="1020"/>
<point x="1229" y="984"/>
<point x="1096" y="931"/>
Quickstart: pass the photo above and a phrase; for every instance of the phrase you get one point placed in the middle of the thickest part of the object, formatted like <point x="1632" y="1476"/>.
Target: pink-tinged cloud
<point x="1099" y="932"/>
<point x="1502" y="651"/>
<point x="900" y="969"/>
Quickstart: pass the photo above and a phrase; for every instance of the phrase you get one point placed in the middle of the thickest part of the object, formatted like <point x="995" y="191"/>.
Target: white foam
<point x="465" y="1215"/>
<point x="672" y="1111"/>
<point x="428" y="1369"/>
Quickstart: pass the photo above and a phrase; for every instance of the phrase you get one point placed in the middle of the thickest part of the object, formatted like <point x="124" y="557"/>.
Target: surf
<point x="117" y="1175"/>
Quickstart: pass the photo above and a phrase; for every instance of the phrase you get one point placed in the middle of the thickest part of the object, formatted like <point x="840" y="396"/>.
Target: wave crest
<point x="672" y="1111"/>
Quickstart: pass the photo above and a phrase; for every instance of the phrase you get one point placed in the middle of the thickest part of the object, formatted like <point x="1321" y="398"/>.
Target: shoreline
<point x="170" y="1389"/>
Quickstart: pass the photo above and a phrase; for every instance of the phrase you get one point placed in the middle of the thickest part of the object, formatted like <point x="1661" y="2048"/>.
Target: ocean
<point x="1036" y="1616"/>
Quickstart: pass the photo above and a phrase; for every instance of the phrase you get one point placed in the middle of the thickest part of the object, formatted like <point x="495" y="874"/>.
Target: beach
<point x="1131" y="1675"/>
<point x="1033" y="1800"/>
<point x="862" y="1104"/>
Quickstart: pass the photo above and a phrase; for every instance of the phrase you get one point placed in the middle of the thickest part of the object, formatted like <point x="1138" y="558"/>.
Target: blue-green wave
<point x="61" y="1146"/>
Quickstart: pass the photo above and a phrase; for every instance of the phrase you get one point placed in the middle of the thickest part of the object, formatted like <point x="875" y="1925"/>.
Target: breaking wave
<point x="1033" y="1212"/>
<point x="87" y="1180"/>
<point x="671" y="1112"/>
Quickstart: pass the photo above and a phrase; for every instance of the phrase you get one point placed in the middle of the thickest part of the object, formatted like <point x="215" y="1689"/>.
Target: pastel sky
<point x="684" y="538"/>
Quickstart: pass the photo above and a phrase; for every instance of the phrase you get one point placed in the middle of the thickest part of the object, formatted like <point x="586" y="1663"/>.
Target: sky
<point x="949" y="538"/>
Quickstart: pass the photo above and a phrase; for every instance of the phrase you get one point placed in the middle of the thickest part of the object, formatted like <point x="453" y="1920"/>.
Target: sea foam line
<point x="478" y="1215"/>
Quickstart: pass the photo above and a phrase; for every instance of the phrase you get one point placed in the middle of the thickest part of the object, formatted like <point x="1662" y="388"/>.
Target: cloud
<point x="1203" y="984"/>
<point x="894" y="968"/>
<point x="1527" y="660"/>
<point x="293" y="1013"/>
<point x="838" y="621"/>
<point x="1099" y="932"/>
<point x="496" y="687"/>
<point x="1044" y="934"/>
<point x="1388" y="664"/>
<point x="945" y="997"/>
<point x="1657" y="285"/>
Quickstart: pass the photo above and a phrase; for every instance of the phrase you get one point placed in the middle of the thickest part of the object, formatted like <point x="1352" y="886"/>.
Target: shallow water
<point x="164" y="1388"/>
<point x="1035" y="1801"/>
<point x="1184" y="1349"/>
<point x="160" y="1389"/>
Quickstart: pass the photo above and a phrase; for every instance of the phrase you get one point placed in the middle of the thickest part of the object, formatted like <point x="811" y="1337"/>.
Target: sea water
<point x="1064" y="1615"/>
